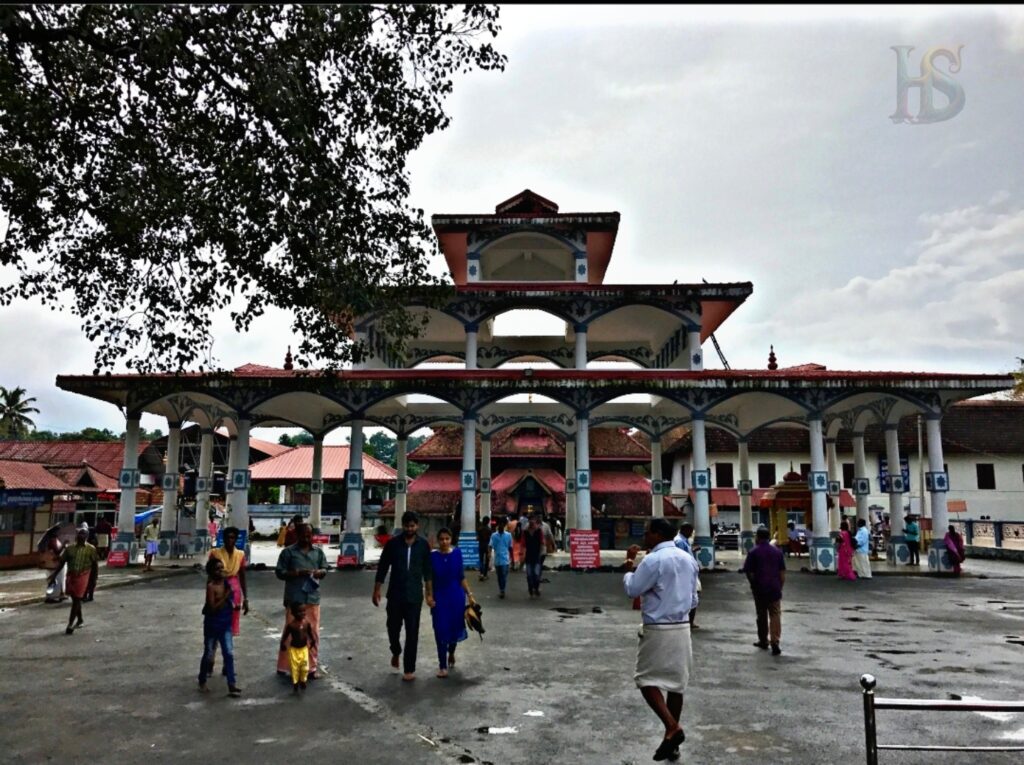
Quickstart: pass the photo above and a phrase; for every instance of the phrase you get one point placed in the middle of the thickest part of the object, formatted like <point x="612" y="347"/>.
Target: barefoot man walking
<point x="666" y="581"/>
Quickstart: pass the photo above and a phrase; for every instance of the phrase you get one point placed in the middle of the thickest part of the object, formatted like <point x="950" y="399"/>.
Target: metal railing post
<point x="867" y="682"/>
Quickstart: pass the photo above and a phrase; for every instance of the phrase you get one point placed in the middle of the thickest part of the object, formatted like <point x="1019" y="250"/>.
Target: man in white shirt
<point x="861" y="561"/>
<point x="666" y="582"/>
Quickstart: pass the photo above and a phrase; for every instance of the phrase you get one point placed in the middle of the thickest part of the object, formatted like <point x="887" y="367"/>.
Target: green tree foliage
<point x="383" y="447"/>
<point x="160" y="162"/>
<point x="302" y="439"/>
<point x="85" y="434"/>
<point x="15" y="409"/>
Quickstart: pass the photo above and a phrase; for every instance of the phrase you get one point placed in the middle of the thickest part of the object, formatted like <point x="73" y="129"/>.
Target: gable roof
<point x="17" y="474"/>
<point x="107" y="457"/>
<point x="296" y="464"/>
<point x="605" y="444"/>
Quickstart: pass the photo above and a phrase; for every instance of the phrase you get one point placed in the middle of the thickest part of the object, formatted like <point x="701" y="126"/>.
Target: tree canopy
<point x="163" y="162"/>
<point x="15" y="409"/>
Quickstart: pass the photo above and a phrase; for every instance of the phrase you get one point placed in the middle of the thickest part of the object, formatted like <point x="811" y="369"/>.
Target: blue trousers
<point x="533" y="574"/>
<point x="502" y="572"/>
<point x="211" y="637"/>
<point x="443" y="649"/>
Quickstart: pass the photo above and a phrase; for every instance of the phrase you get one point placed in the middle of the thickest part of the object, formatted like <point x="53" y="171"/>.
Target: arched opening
<point x="527" y="257"/>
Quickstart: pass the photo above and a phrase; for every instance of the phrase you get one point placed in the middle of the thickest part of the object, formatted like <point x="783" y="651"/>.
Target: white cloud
<point x="958" y="299"/>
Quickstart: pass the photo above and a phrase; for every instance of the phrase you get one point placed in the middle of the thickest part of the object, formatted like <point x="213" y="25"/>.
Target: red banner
<point x="584" y="548"/>
<point x="63" y="506"/>
<point x="321" y="539"/>
<point x="348" y="561"/>
<point x="117" y="559"/>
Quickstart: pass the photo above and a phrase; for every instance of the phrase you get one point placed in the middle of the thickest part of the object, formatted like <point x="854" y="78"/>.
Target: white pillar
<point x="485" y="475"/>
<point x="823" y="555"/>
<point x="169" y="483"/>
<point x="897" y="553"/>
<point x="352" y="548"/>
<point x="657" y="499"/>
<point x="239" y="517"/>
<point x="938" y="556"/>
<point x="581" y="346"/>
<point x="583" y="508"/>
<point x="467" y="533"/>
<point x="403" y="478"/>
<point x="860" y="470"/>
<point x="678" y="466"/>
<point x="835" y="513"/>
<point x="128" y="482"/>
<point x="701" y="481"/>
<point x="746" y="512"/>
<point x="316" y="495"/>
<point x="471" y="345"/>
<point x="694" y="354"/>
<point x="204" y="484"/>
<point x="570" y="496"/>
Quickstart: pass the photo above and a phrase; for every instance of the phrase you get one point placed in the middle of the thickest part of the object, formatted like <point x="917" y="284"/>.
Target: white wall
<point x="1005" y="503"/>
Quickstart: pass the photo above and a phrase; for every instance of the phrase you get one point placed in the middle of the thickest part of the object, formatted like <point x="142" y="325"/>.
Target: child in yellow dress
<point x="297" y="638"/>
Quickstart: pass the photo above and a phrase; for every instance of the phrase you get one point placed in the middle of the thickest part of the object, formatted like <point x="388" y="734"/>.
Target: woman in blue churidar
<point x="450" y="594"/>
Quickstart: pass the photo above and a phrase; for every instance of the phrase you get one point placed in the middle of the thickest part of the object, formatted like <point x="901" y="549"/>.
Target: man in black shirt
<point x="535" y="548"/>
<point x="407" y="556"/>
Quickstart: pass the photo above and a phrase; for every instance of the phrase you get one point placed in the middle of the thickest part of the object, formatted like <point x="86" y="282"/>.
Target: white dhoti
<point x="664" y="657"/>
<point x="861" y="565"/>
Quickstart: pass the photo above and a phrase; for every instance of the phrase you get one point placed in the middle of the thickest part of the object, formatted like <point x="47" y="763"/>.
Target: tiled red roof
<point x="436" y="492"/>
<point x="105" y="456"/>
<point x="258" y="444"/>
<point x="296" y="464"/>
<point x="507" y="480"/>
<point x="619" y="481"/>
<point x="437" y="480"/>
<point x="605" y="443"/>
<point x="969" y="427"/>
<point x="16" y="474"/>
<point x="526" y="442"/>
<point x="616" y="443"/>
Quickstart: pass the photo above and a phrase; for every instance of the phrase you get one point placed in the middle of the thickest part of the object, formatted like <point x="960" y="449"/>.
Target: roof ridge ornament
<point x="772" y="365"/>
<point x="288" y="365"/>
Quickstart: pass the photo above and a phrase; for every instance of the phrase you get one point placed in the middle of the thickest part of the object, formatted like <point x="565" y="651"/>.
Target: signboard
<point x="63" y="506"/>
<point x="584" y="548"/>
<point x="470" y="552"/>
<point x="117" y="559"/>
<point x="347" y="561"/>
<point x="883" y="470"/>
<point x="21" y="499"/>
<point x="243" y="538"/>
<point x="321" y="539"/>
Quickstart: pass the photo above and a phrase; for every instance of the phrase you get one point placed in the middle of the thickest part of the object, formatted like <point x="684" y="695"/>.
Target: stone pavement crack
<point x="444" y="746"/>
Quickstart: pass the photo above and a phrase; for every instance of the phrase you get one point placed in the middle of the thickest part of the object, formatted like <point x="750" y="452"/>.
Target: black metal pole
<point x="867" y="682"/>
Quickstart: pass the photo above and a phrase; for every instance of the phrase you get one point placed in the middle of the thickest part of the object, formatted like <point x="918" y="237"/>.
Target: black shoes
<point x="761" y="644"/>
<point x="775" y="649"/>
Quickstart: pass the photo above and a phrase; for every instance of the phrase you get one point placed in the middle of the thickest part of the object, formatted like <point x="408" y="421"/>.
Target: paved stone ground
<point x="123" y="687"/>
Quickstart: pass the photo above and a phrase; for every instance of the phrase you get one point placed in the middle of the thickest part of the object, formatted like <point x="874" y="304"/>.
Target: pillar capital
<point x="579" y="328"/>
<point x="831" y="440"/>
<point x="933" y="416"/>
<point x="472" y="326"/>
<point x="814" y="417"/>
<point x="857" y="434"/>
<point x="891" y="426"/>
<point x="698" y="416"/>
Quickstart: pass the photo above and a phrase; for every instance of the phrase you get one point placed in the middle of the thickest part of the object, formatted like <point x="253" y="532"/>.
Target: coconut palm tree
<point x="14" y="411"/>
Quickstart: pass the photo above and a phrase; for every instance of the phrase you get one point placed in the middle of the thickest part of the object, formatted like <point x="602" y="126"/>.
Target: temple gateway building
<point x="528" y="255"/>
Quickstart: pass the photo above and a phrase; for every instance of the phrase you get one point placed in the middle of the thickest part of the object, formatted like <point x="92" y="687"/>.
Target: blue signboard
<point x="243" y="536"/>
<point x="470" y="552"/>
<point x="883" y="470"/>
<point x="22" y="499"/>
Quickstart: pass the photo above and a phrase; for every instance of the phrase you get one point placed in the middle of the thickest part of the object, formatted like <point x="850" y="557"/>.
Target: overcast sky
<point x="739" y="144"/>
